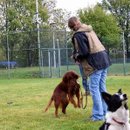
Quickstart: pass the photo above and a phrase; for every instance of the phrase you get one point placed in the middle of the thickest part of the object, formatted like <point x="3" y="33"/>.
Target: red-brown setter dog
<point x="65" y="92"/>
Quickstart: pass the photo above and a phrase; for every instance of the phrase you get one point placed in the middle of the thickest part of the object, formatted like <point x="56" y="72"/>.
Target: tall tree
<point x="103" y="23"/>
<point x="18" y="17"/>
<point x="60" y="18"/>
<point x="121" y="10"/>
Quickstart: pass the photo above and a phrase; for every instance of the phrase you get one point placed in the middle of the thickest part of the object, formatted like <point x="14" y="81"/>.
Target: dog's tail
<point x="49" y="104"/>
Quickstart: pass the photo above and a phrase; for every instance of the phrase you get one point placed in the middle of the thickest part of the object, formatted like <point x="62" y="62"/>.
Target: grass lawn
<point x="22" y="102"/>
<point x="34" y="72"/>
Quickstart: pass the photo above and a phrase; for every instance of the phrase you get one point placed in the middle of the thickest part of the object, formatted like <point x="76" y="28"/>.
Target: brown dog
<point x="65" y="91"/>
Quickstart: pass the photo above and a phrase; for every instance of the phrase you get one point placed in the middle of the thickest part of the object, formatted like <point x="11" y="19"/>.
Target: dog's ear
<point x="65" y="78"/>
<point x="76" y="76"/>
<point x="106" y="96"/>
<point x="120" y="91"/>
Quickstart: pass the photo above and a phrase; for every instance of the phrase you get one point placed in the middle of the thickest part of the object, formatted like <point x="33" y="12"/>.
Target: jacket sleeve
<point x="81" y="45"/>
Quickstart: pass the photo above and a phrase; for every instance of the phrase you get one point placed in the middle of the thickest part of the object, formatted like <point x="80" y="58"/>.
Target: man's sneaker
<point x="93" y="119"/>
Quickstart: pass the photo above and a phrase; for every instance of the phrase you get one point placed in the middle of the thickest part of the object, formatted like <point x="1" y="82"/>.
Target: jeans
<point x="85" y="82"/>
<point x="97" y="85"/>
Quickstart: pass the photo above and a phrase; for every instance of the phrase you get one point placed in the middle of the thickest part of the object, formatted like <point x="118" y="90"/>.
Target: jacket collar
<point x="85" y="28"/>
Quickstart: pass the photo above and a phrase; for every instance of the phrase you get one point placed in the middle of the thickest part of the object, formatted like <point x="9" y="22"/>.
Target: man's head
<point x="74" y="23"/>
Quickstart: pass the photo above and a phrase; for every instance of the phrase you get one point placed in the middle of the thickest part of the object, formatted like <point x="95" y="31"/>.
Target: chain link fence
<point x="21" y="57"/>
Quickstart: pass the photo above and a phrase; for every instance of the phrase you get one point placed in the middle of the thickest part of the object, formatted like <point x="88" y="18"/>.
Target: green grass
<point x="22" y="102"/>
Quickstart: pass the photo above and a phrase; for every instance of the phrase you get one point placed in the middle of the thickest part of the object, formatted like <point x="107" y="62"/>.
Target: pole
<point x="38" y="37"/>
<point x="49" y="63"/>
<point x="59" y="58"/>
<point x="124" y="55"/>
<point x="54" y="51"/>
<point x="66" y="46"/>
<point x="8" y="57"/>
<point x="52" y="24"/>
<point x="7" y="44"/>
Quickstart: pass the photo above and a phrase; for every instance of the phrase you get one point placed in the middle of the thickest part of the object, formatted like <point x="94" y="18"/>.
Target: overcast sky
<point x="74" y="5"/>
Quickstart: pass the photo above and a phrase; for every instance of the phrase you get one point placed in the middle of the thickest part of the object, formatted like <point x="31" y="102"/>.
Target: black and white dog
<point x="117" y="117"/>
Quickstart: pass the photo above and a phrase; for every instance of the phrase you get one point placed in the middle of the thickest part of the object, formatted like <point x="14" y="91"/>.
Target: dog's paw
<point x="75" y="106"/>
<point x="44" y="110"/>
<point x="79" y="106"/>
<point x="57" y="116"/>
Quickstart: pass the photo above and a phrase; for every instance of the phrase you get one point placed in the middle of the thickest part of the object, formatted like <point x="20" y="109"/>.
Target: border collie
<point x="117" y="117"/>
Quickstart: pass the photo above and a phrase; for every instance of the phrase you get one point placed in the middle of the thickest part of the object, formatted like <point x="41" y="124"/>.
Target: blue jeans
<point x="85" y="82"/>
<point x="97" y="85"/>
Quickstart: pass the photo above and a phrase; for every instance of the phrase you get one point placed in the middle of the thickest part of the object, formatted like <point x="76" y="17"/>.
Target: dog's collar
<point x="118" y="122"/>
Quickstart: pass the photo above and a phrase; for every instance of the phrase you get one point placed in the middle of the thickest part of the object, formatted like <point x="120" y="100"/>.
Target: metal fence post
<point x="38" y="36"/>
<point x="59" y="58"/>
<point x="124" y="53"/>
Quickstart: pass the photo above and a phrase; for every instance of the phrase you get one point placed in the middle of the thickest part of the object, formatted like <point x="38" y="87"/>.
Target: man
<point x="91" y="54"/>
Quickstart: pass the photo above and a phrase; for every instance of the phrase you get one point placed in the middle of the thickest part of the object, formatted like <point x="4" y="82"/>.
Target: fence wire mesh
<point x="21" y="57"/>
